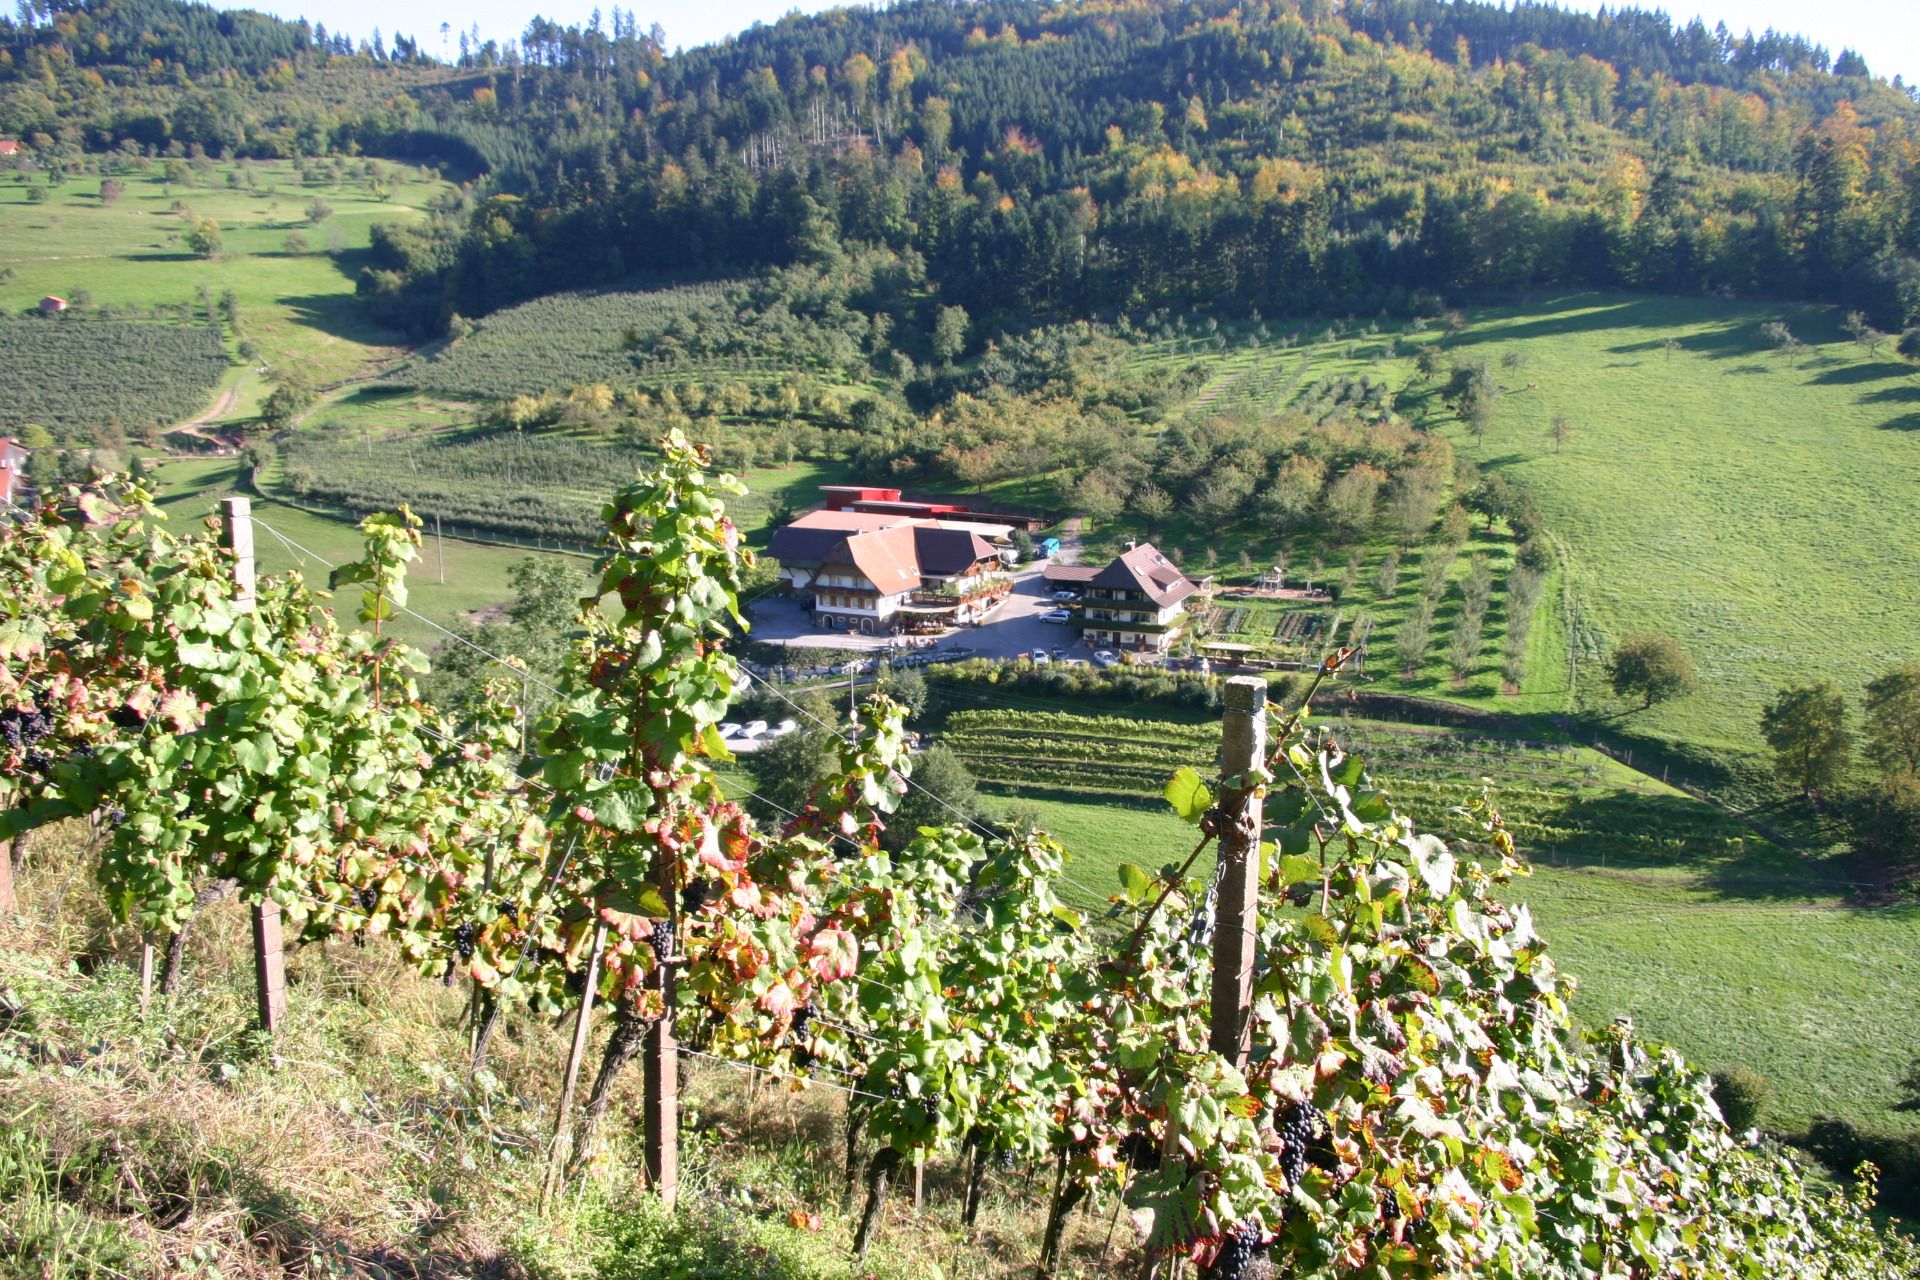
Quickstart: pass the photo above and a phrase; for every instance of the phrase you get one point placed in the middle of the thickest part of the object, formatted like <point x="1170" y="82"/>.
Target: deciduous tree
<point x="1806" y="725"/>
<point x="1650" y="666"/>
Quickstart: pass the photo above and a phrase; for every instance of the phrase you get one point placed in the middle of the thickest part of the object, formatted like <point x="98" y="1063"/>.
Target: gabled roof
<point x="948" y="551"/>
<point x="885" y="557"/>
<point x="1145" y="570"/>
<point x="811" y="538"/>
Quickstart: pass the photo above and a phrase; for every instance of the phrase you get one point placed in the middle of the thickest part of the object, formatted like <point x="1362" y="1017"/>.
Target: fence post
<point x="9" y="903"/>
<point x="269" y="960"/>
<point x="1236" y="914"/>
<point x="661" y="1059"/>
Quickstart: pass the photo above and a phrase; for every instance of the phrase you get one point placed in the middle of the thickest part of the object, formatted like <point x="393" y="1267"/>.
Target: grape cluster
<point x="463" y="939"/>
<point x="801" y="1017"/>
<point x="508" y="909"/>
<point x="129" y="717"/>
<point x="1003" y="1159"/>
<point x="1237" y="1252"/>
<point x="1300" y="1128"/>
<point x="368" y="898"/>
<point x="662" y="939"/>
<point x="694" y="897"/>
<point x="24" y="728"/>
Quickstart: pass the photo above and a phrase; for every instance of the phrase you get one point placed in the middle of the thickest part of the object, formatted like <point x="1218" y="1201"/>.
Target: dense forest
<point x="1058" y="159"/>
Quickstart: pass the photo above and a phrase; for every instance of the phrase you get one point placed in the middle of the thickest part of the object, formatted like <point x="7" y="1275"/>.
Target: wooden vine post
<point x="269" y="958"/>
<point x="9" y="903"/>
<point x="1236" y="928"/>
<point x="660" y="1060"/>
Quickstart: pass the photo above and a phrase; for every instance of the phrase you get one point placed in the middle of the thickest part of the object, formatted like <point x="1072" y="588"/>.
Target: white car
<point x="1057" y="615"/>
<point x="728" y="730"/>
<point x="1104" y="658"/>
<point x="754" y="729"/>
<point x="1066" y="597"/>
<point x="1041" y="659"/>
<point x="782" y="729"/>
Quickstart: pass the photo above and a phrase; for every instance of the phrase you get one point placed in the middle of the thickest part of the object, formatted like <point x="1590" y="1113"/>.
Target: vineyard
<point x="530" y="485"/>
<point x="73" y="375"/>
<point x="559" y="341"/>
<point x="1392" y="1087"/>
<point x="1562" y="803"/>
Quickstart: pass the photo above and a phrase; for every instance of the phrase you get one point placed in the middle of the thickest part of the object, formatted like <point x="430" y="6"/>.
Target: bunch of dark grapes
<point x="694" y="897"/>
<point x="463" y="939"/>
<point x="24" y="728"/>
<point x="1299" y="1127"/>
<point x="802" y="1057"/>
<point x="507" y="909"/>
<point x="1003" y="1159"/>
<point x="1237" y="1253"/>
<point x="368" y="898"/>
<point x="801" y="1017"/>
<point x="662" y="939"/>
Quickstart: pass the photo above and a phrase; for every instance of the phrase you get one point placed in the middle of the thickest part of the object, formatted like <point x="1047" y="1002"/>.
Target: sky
<point x="1886" y="32"/>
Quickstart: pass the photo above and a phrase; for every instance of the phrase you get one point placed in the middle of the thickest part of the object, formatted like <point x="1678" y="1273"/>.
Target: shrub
<point x="1742" y="1094"/>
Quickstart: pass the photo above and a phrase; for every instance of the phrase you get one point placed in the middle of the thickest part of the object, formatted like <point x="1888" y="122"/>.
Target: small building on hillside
<point x="878" y="501"/>
<point x="13" y="470"/>
<point x="12" y="147"/>
<point x="1137" y="604"/>
<point x="51" y="305"/>
<point x="877" y="573"/>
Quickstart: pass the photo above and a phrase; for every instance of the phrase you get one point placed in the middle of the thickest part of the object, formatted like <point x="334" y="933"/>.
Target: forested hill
<point x="1084" y="158"/>
<point x="1079" y="158"/>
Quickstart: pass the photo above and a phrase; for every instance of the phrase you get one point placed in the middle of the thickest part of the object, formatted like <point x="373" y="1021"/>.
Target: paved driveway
<point x="1015" y="627"/>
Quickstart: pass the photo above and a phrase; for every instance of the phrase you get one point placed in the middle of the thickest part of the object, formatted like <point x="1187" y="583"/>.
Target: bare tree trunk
<point x="629" y="1034"/>
<point x="879" y="1169"/>
<point x="205" y="896"/>
<point x="1067" y="1195"/>
<point x="976" y="1180"/>
<point x="856" y="1126"/>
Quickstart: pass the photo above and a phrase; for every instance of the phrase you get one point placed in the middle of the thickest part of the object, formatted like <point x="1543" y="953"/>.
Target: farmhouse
<point x="52" y="305"/>
<point x="1137" y="603"/>
<point x="12" y="147"/>
<point x="13" y="470"/>
<point x="878" y="573"/>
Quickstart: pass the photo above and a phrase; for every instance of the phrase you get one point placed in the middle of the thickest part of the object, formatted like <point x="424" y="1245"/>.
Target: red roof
<point x="1145" y="570"/>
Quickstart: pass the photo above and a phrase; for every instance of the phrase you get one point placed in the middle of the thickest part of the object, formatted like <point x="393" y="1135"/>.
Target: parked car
<point x="1057" y="615"/>
<point x="754" y="729"/>
<point x="782" y="729"/>
<point x="728" y="730"/>
<point x="1040" y="658"/>
<point x="1077" y="662"/>
<point x="1104" y="658"/>
<point x="1059" y="655"/>
<point x="1067" y="597"/>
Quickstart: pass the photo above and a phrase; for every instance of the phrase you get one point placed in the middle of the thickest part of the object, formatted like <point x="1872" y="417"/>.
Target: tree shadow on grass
<point x="1905" y="422"/>
<point x="339" y="315"/>
<point x="1623" y="831"/>
<point x="1854" y="374"/>
<point x="1909" y="394"/>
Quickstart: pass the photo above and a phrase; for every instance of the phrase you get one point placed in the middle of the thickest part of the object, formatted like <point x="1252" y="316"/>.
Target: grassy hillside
<point x="298" y="307"/>
<point x="1755" y="505"/>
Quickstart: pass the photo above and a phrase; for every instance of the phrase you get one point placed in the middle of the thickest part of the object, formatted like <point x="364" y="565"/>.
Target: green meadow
<point x="1756" y="504"/>
<point x="299" y="307"/>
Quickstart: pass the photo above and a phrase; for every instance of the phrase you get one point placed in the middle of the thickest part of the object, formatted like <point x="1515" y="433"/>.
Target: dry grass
<point x="356" y="1144"/>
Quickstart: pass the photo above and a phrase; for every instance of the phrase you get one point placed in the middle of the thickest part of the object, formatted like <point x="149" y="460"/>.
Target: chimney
<point x="1131" y="544"/>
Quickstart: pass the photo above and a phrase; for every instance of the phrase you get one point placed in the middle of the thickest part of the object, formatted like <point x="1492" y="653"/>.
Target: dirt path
<point x="1070" y="541"/>
<point x="196" y="426"/>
